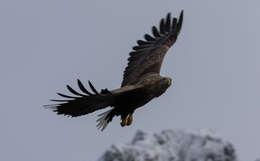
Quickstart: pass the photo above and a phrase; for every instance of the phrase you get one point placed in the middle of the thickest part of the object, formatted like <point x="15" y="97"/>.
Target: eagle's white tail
<point x="103" y="120"/>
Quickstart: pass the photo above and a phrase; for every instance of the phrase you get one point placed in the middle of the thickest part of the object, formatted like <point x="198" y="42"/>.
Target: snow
<point x="172" y="145"/>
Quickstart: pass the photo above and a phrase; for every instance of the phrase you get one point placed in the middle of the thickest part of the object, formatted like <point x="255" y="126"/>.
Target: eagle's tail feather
<point x="104" y="119"/>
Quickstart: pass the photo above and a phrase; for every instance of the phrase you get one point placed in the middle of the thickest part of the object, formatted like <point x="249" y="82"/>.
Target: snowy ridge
<point x="172" y="145"/>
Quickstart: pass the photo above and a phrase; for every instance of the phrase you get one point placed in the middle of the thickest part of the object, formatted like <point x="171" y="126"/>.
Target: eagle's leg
<point x="124" y="120"/>
<point x="130" y="119"/>
<point x="127" y="120"/>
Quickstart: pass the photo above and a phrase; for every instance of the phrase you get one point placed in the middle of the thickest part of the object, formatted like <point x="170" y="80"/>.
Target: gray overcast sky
<point x="45" y="45"/>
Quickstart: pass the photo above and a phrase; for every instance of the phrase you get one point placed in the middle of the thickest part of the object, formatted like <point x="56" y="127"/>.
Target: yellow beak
<point x="169" y="81"/>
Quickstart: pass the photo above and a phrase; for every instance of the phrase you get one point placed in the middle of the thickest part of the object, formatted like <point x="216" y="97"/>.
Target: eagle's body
<point x="145" y="90"/>
<point x="142" y="81"/>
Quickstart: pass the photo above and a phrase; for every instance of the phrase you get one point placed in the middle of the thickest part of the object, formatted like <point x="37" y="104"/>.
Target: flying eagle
<point x="141" y="82"/>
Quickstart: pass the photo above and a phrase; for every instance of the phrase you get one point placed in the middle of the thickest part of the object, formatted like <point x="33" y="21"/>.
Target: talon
<point x="129" y="119"/>
<point x="124" y="122"/>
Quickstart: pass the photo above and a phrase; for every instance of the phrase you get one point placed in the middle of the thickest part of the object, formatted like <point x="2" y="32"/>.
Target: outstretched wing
<point x="85" y="102"/>
<point x="81" y="103"/>
<point x="148" y="55"/>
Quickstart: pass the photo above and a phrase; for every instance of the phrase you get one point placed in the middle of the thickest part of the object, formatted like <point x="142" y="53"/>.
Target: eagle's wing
<point x="148" y="55"/>
<point x="85" y="102"/>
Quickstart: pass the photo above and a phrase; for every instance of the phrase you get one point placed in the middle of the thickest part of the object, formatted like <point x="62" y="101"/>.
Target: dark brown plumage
<point x="141" y="82"/>
<point x="148" y="55"/>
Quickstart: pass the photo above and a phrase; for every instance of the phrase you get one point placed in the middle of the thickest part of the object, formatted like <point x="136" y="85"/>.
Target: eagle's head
<point x="162" y="85"/>
<point x="165" y="82"/>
